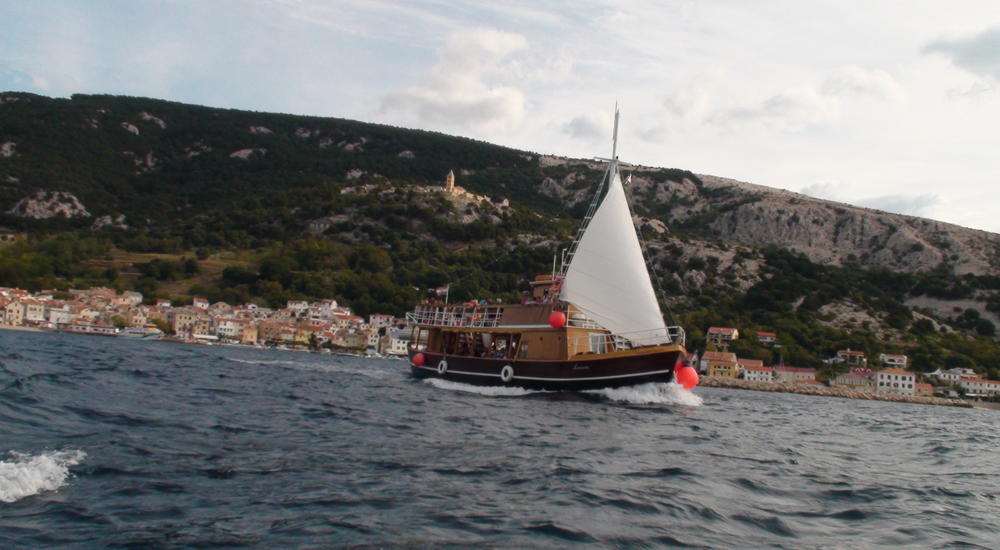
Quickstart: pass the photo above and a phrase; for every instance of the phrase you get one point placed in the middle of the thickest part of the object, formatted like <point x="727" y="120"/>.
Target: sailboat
<point x="593" y="323"/>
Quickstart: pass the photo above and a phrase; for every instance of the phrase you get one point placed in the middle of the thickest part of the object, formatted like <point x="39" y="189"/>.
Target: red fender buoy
<point x="686" y="376"/>
<point x="557" y="319"/>
<point x="418" y="360"/>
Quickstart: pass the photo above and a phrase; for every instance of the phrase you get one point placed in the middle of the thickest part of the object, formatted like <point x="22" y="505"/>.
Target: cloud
<point x="919" y="205"/>
<point x="460" y="88"/>
<point x="857" y="82"/>
<point x="694" y="98"/>
<point x="591" y="126"/>
<point x="829" y="190"/>
<point x="914" y="205"/>
<point x="789" y="110"/>
<point x="979" y="54"/>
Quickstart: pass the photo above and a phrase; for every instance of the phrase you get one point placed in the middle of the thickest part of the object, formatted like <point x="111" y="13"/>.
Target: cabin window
<point x="596" y="342"/>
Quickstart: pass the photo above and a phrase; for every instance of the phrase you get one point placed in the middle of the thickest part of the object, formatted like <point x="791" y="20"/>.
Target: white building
<point x="61" y="315"/>
<point x="758" y="374"/>
<point x="893" y="361"/>
<point x="953" y="376"/>
<point x="231" y="329"/>
<point x="895" y="381"/>
<point x="977" y="387"/>
<point x="379" y="320"/>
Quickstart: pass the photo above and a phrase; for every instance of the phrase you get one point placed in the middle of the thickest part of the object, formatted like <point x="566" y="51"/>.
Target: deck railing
<point x="456" y="316"/>
<point x="486" y="316"/>
<point x="606" y="342"/>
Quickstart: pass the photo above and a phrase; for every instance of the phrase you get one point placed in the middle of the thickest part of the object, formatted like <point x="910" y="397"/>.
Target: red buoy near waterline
<point x="686" y="376"/>
<point x="418" y="360"/>
<point x="557" y="319"/>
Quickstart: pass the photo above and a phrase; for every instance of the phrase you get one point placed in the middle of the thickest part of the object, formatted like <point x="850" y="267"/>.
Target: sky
<point x="888" y="104"/>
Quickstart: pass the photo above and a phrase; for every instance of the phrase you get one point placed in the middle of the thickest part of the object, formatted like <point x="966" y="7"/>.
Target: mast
<point x="606" y="275"/>
<point x="609" y="173"/>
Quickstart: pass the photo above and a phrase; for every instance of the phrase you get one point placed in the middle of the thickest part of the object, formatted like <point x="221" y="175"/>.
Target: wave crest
<point x="491" y="391"/>
<point x="27" y="475"/>
<point x="660" y="393"/>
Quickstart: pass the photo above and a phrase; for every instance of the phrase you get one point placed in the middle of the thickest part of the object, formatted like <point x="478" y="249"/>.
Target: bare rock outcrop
<point x="7" y="149"/>
<point x="249" y="154"/>
<point x="116" y="222"/>
<point x="48" y="204"/>
<point x="154" y="119"/>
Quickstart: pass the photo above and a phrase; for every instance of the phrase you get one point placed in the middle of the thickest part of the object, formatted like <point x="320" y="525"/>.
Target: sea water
<point x="124" y="443"/>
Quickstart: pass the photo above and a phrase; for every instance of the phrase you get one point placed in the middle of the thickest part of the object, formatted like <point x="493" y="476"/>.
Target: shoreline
<point x="829" y="391"/>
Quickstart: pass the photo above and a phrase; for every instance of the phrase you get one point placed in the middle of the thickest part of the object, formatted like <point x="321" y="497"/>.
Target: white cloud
<point x="791" y="110"/>
<point x="913" y="205"/>
<point x="979" y="54"/>
<point x="829" y="190"/>
<point x="694" y="98"/>
<point x="461" y="89"/>
<point x="591" y="126"/>
<point x="857" y="82"/>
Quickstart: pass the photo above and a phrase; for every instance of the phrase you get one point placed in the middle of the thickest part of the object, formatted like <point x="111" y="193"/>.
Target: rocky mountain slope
<point x="344" y="208"/>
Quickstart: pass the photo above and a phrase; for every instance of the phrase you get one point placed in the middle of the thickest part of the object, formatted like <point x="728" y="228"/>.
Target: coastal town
<point x="326" y="325"/>
<point x="887" y="375"/>
<point x="322" y="325"/>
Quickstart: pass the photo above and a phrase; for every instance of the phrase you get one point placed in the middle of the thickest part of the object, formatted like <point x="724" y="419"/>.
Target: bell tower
<point x="449" y="182"/>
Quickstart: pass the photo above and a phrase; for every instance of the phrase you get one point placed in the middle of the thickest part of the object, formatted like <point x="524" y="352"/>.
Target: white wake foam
<point x="669" y="393"/>
<point x="492" y="391"/>
<point x="27" y="475"/>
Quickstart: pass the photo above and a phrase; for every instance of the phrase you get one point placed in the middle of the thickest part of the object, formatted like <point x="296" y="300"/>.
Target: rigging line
<point x="649" y="263"/>
<point x="586" y="222"/>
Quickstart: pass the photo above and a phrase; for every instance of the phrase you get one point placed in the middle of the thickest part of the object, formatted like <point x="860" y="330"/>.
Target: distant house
<point x="723" y="369"/>
<point x="953" y="376"/>
<point x="767" y="338"/>
<point x="926" y="390"/>
<point x="856" y="380"/>
<point x="977" y="387"/>
<point x="758" y="374"/>
<point x="893" y="361"/>
<point x="710" y="356"/>
<point x="793" y="374"/>
<point x="200" y="303"/>
<point x="722" y="336"/>
<point x="850" y="357"/>
<point x="895" y="381"/>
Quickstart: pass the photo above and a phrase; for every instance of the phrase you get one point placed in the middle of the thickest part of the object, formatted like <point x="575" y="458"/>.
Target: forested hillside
<point x="178" y="200"/>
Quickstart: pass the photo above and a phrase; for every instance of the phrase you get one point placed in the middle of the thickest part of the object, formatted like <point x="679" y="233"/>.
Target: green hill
<point x="178" y="200"/>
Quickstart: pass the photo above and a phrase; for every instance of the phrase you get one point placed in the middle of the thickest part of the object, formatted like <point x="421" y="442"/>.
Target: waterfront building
<point x="724" y="369"/>
<point x="758" y="374"/>
<point x="794" y="374"/>
<point x="977" y="387"/>
<point x="856" y="380"/>
<point x="710" y="356"/>
<point x="895" y="381"/>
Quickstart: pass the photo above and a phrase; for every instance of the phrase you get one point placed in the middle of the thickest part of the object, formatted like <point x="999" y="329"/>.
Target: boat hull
<point x="583" y="374"/>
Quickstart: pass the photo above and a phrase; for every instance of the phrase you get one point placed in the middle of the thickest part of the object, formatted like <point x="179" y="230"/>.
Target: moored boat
<point x="594" y="323"/>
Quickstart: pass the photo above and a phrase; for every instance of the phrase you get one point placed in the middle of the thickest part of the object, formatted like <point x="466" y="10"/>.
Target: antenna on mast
<point x="614" y="140"/>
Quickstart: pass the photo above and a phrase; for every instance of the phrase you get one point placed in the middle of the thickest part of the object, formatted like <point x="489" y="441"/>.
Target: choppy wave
<point x="651" y="394"/>
<point x="27" y="475"/>
<point x="492" y="391"/>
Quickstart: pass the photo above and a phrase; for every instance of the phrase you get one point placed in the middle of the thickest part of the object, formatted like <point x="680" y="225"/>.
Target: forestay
<point x="607" y="277"/>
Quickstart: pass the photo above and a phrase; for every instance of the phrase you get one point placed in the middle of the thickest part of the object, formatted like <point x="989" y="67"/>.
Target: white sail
<point x="607" y="277"/>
